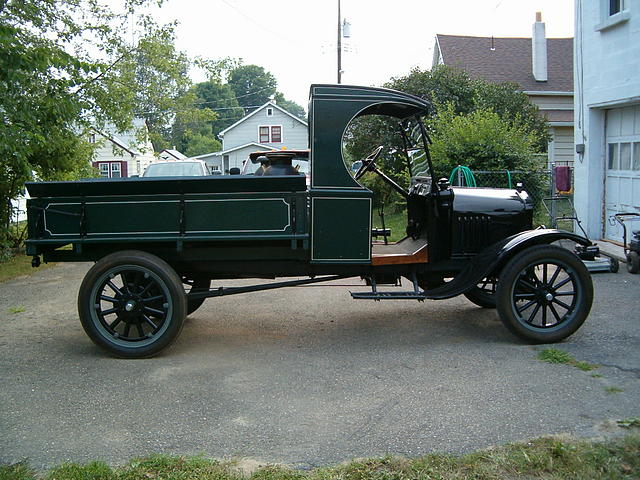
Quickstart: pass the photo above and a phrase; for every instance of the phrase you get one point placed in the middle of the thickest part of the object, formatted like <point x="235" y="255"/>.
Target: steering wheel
<point x="368" y="162"/>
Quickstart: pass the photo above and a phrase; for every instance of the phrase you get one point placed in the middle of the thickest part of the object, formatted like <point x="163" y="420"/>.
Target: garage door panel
<point x="622" y="181"/>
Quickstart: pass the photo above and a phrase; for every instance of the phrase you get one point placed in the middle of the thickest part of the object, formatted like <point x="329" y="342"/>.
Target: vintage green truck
<point x="164" y="245"/>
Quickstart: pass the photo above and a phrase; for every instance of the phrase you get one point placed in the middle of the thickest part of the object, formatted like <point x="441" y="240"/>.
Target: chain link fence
<point x="551" y="191"/>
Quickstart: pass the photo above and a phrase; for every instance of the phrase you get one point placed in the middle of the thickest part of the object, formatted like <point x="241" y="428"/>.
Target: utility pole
<point x="339" y="46"/>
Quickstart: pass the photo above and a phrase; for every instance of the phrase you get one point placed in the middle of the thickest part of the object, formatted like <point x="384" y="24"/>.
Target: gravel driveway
<point x="304" y="376"/>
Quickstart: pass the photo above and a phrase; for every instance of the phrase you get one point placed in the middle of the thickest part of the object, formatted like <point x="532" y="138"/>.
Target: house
<point x="269" y="127"/>
<point x="607" y="106"/>
<point x="542" y="67"/>
<point x="171" y="154"/>
<point x="121" y="154"/>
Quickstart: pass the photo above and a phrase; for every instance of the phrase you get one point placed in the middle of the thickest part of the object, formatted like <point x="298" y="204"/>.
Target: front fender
<point x="491" y="260"/>
<point x="501" y="252"/>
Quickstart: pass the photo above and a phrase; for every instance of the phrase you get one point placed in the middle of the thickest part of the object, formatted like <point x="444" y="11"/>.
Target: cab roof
<point x="383" y="101"/>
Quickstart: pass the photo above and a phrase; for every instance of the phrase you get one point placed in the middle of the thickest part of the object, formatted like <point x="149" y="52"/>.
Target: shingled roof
<point x="509" y="60"/>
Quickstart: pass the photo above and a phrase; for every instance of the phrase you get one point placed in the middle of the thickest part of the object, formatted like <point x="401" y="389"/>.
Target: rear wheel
<point x="544" y="294"/>
<point x="484" y="293"/>
<point x="132" y="304"/>
<point x="195" y="285"/>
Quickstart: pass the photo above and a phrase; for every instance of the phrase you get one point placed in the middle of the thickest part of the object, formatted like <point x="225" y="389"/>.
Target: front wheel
<point x="484" y="293"/>
<point x="132" y="304"/>
<point x="544" y="294"/>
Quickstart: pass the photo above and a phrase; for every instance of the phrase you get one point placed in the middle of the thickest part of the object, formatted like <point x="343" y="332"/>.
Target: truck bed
<point x="165" y="209"/>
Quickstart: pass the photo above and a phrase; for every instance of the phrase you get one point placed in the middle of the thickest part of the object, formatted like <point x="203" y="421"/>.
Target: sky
<point x="296" y="40"/>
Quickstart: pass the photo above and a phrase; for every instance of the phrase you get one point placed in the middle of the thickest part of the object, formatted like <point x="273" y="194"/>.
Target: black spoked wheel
<point x="195" y="285"/>
<point x="132" y="304"/>
<point x="544" y="294"/>
<point x="484" y="293"/>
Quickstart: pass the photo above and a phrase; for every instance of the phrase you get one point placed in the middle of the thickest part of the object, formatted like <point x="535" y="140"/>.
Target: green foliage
<point x="553" y="355"/>
<point x="199" y="144"/>
<point x="252" y="85"/>
<point x="455" y="96"/>
<point x="481" y="140"/>
<point x="549" y="458"/>
<point x="60" y="74"/>
<point x="221" y="98"/>
<point x="290" y="106"/>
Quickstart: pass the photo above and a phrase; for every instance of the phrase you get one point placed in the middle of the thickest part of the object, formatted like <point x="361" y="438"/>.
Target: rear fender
<point x="492" y="259"/>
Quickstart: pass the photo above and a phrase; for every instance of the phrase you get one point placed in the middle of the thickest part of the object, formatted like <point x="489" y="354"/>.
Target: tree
<point x="481" y="140"/>
<point x="453" y="90"/>
<point x="219" y="97"/>
<point x="56" y="74"/>
<point x="157" y="74"/>
<point x="252" y="85"/>
<point x="290" y="106"/>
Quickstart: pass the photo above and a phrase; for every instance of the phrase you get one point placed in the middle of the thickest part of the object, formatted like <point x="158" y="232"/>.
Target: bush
<point x="480" y="140"/>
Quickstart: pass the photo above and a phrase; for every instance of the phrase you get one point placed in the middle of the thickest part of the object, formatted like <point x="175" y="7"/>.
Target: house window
<point x="615" y="6"/>
<point x="612" y="12"/>
<point x="269" y="112"/>
<point x="115" y="170"/>
<point x="276" y="134"/>
<point x="104" y="169"/>
<point x="264" y="135"/>
<point x="92" y="138"/>
<point x="215" y="168"/>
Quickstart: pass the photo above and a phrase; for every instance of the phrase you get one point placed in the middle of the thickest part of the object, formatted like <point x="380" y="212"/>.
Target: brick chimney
<point x="539" y="50"/>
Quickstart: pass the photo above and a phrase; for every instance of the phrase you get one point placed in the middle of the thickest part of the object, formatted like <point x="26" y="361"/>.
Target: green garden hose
<point x="469" y="179"/>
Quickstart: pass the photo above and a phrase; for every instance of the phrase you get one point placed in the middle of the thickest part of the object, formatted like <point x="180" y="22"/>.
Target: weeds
<point x="544" y="458"/>
<point x="553" y="355"/>
<point x="613" y="390"/>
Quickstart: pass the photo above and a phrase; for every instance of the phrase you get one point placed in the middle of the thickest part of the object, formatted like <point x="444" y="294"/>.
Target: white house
<point x="269" y="127"/>
<point x="607" y="106"/>
<point x="121" y="154"/>
<point x="541" y="66"/>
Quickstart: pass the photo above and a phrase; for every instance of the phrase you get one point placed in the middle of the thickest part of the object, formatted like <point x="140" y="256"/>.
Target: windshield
<point x="175" y="169"/>
<point x="415" y="147"/>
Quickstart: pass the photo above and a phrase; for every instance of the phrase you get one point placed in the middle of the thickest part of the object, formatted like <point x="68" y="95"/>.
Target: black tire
<point x="132" y="304"/>
<point x="633" y="262"/>
<point x="483" y="294"/>
<point x="195" y="285"/>
<point x="528" y="291"/>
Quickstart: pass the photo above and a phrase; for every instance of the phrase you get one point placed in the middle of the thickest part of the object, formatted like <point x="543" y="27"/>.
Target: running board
<point x="415" y="294"/>
<point x="388" y="296"/>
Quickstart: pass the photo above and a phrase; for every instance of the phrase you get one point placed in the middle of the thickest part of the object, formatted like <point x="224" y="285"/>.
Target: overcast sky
<point x="296" y="39"/>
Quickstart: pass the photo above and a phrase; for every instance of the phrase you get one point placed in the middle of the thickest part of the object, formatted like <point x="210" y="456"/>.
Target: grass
<point x="545" y="458"/>
<point x="629" y="422"/>
<point x="613" y="390"/>
<point x="553" y="355"/>
<point x="18" y="266"/>
<point x="396" y="221"/>
<point x="16" y="309"/>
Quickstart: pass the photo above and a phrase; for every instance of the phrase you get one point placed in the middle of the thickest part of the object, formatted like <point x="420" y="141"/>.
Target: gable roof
<point x="169" y="152"/>
<point x="509" y="61"/>
<point x="268" y="104"/>
<point x="118" y="142"/>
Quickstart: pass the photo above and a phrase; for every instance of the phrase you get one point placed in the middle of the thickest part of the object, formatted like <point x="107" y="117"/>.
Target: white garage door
<point x="622" y="183"/>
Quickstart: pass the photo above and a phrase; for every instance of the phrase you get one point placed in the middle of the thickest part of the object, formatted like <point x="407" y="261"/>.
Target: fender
<point x="494" y="257"/>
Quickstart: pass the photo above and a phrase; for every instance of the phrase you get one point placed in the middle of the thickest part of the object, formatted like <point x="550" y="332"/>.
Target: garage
<point x="622" y="174"/>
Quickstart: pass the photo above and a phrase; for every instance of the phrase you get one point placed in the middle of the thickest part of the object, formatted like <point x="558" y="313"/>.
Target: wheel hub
<point x="130" y="305"/>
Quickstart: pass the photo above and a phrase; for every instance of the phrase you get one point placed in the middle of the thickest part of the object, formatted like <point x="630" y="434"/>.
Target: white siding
<point x="552" y="102"/>
<point x="606" y="66"/>
<point x="563" y="147"/>
<point x="294" y="134"/>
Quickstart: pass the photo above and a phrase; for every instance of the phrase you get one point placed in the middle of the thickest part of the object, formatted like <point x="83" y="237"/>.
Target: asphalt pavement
<point x="305" y="376"/>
